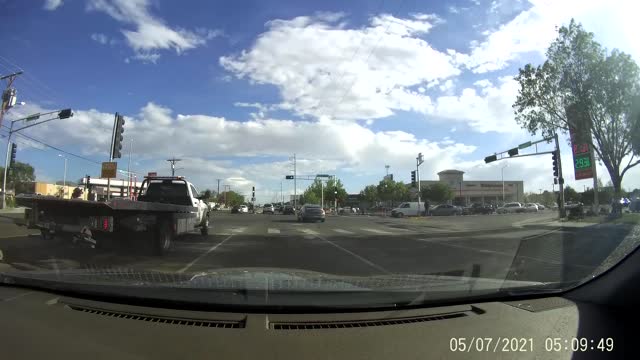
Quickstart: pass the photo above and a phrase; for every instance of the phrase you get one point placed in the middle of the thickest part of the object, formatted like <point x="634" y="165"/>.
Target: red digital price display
<point x="580" y="138"/>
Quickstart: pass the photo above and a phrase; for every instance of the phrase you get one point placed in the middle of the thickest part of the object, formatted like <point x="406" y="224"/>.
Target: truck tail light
<point x="102" y="223"/>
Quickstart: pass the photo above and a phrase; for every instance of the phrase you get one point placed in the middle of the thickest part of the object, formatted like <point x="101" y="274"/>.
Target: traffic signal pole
<point x="62" y="114"/>
<point x="561" y="209"/>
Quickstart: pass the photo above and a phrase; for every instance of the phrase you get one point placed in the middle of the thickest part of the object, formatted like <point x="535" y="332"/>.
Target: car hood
<point x="272" y="279"/>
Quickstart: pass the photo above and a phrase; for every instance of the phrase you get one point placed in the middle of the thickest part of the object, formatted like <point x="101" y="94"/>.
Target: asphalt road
<point x="519" y="246"/>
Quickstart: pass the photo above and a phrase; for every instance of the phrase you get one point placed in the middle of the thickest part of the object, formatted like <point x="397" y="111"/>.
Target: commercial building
<point x="97" y="187"/>
<point x="485" y="192"/>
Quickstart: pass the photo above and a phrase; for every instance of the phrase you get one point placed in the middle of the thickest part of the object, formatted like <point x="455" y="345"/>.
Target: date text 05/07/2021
<point x="523" y="344"/>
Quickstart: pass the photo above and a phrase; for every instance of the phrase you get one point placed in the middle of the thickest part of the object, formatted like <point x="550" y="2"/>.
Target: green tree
<point x="20" y="177"/>
<point x="570" y="194"/>
<point x="602" y="86"/>
<point x="370" y="194"/>
<point x="208" y="194"/>
<point x="232" y="198"/>
<point x="438" y="192"/>
<point x="314" y="193"/>
<point x="393" y="191"/>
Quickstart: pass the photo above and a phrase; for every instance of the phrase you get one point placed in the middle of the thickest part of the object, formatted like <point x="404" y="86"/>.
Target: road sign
<point x="524" y="145"/>
<point x="289" y="177"/>
<point x="152" y="174"/>
<point x="109" y="170"/>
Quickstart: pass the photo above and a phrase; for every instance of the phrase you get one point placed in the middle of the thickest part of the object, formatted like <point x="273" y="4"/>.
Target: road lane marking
<point x="309" y="231"/>
<point x="376" y="231"/>
<point x="204" y="254"/>
<point x="373" y="265"/>
<point x="273" y="231"/>
<point x="342" y="231"/>
<point x="239" y="229"/>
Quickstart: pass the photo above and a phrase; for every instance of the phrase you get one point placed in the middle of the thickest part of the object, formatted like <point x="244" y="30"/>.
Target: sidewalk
<point x="18" y="210"/>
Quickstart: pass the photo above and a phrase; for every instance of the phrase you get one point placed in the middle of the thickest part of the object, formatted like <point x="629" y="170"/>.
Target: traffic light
<point x="14" y="148"/>
<point x="513" y="152"/>
<point x="554" y="157"/>
<point x="289" y="177"/>
<point x="118" y="137"/>
<point x="86" y="185"/>
<point x="490" y="158"/>
<point x="65" y="114"/>
<point x="253" y="192"/>
<point x="413" y="178"/>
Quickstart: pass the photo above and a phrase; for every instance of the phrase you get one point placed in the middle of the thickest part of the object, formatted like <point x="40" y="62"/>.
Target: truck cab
<point x="174" y="190"/>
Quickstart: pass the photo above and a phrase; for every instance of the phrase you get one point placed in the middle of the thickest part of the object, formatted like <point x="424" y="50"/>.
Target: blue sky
<point x="235" y="89"/>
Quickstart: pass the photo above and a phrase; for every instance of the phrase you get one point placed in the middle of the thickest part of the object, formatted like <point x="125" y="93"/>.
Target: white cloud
<point x="100" y="38"/>
<point x="531" y="31"/>
<point x="252" y="145"/>
<point x="488" y="110"/>
<point x="145" y="57"/>
<point x="323" y="69"/>
<point x="52" y="4"/>
<point x="150" y="33"/>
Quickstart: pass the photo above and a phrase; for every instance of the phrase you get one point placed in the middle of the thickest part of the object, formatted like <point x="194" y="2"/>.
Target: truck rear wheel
<point x="204" y="230"/>
<point x="162" y="239"/>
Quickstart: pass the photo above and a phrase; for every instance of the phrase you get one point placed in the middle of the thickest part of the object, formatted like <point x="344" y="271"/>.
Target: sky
<point x="235" y="89"/>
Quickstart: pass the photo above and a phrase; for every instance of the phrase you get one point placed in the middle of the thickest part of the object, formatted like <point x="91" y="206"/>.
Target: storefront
<point x="484" y="192"/>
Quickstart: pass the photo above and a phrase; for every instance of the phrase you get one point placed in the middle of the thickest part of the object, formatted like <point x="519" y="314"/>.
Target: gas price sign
<point x="580" y="134"/>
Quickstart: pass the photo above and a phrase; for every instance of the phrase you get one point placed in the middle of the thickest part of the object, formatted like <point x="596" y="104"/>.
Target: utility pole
<point x="295" y="184"/>
<point x="218" y="193"/>
<point x="387" y="168"/>
<point x="129" y="168"/>
<point x="419" y="161"/>
<point x="173" y="162"/>
<point x="8" y="95"/>
<point x="281" y="193"/>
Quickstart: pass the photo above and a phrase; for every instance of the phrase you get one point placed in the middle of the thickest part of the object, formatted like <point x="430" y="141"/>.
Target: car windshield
<point x="453" y="149"/>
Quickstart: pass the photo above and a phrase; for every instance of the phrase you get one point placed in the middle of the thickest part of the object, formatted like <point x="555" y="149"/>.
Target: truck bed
<point x="99" y="208"/>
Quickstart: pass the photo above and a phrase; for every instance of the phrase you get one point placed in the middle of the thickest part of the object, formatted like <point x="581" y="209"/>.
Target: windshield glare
<point x="449" y="150"/>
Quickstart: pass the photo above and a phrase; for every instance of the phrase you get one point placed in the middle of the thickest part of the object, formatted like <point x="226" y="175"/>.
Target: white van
<point x="408" y="209"/>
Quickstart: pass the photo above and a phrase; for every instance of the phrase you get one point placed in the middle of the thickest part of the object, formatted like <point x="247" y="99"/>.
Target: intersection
<point x="518" y="246"/>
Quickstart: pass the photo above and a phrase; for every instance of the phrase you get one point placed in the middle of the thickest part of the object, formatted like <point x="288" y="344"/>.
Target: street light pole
<point x="502" y="173"/>
<point x="64" y="178"/>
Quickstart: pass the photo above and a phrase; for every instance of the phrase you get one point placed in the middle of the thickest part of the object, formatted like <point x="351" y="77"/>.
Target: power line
<point x="54" y="147"/>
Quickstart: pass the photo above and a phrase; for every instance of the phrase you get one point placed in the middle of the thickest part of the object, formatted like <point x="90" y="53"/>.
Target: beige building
<point x="485" y="192"/>
<point x="42" y="188"/>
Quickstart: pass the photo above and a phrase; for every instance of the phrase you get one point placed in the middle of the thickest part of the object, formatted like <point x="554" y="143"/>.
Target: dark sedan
<point x="311" y="212"/>
<point x="288" y="210"/>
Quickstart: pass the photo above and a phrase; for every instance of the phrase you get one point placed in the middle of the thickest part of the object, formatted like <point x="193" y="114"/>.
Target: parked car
<point x="268" y="209"/>
<point x="446" y="210"/>
<point x="311" y="212"/>
<point x="288" y="210"/>
<point x="243" y="209"/>
<point x="235" y="209"/>
<point x="530" y="207"/>
<point x="511" y="208"/>
<point x="541" y="207"/>
<point x="478" y="208"/>
<point x="408" y="209"/>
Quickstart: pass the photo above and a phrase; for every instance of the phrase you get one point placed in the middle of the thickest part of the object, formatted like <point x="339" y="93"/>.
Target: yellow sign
<point x="109" y="170"/>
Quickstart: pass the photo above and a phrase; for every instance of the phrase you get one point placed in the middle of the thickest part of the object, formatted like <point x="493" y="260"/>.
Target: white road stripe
<point x="273" y="231"/>
<point x="309" y="231"/>
<point x="239" y="229"/>
<point x="377" y="267"/>
<point x="204" y="254"/>
<point x="342" y="231"/>
<point x="376" y="231"/>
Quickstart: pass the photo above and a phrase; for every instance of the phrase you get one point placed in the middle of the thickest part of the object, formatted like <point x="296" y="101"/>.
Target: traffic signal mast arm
<point x="513" y="153"/>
